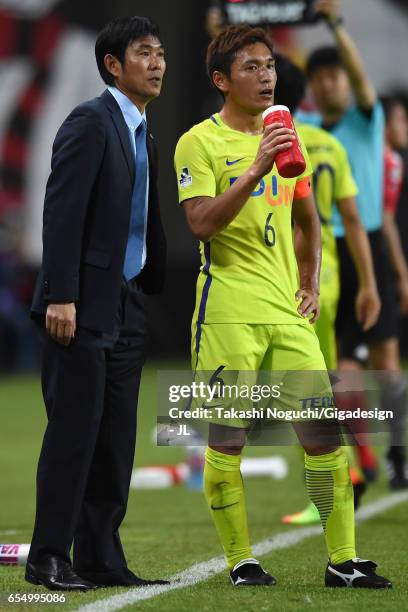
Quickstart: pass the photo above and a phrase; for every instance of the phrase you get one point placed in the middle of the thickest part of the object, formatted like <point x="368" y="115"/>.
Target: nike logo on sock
<point x="223" y="507"/>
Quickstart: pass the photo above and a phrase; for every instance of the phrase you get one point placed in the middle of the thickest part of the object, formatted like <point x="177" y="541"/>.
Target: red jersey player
<point x="396" y="137"/>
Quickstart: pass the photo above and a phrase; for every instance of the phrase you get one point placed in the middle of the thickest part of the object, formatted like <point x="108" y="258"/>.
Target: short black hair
<point x="389" y="103"/>
<point x="291" y="84"/>
<point x="324" y="57"/>
<point x="115" y="38"/>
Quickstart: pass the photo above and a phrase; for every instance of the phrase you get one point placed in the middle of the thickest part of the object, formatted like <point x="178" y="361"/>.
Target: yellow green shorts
<point x="250" y="351"/>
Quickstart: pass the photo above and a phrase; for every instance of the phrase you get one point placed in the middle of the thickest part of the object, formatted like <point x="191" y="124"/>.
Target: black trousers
<point x="90" y="392"/>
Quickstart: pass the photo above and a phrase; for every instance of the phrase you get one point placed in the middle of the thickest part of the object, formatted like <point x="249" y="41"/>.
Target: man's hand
<point x="309" y="304"/>
<point x="275" y="138"/>
<point x="368" y="306"/>
<point x="364" y="90"/>
<point x="60" y="322"/>
<point x="330" y="9"/>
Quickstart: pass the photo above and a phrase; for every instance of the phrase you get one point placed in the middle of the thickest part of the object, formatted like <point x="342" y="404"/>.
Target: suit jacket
<point x="87" y="213"/>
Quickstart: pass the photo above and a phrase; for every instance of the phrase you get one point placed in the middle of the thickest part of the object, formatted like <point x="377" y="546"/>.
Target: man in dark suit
<point x="103" y="249"/>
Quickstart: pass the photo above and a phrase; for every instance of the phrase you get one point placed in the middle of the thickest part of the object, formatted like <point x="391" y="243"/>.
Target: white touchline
<point x="200" y="572"/>
<point x="8" y="532"/>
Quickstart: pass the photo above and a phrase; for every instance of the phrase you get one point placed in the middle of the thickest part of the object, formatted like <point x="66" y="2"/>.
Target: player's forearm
<point x="395" y="250"/>
<point x="353" y="63"/>
<point x="308" y="247"/>
<point x="360" y="250"/>
<point x="308" y="255"/>
<point x="208" y="216"/>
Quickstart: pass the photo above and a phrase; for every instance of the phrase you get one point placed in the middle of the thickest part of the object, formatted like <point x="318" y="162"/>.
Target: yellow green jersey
<point x="248" y="271"/>
<point x="332" y="181"/>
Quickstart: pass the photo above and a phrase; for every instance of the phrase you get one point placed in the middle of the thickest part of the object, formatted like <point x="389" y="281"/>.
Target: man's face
<point x="331" y="89"/>
<point x="143" y="69"/>
<point x="252" y="81"/>
<point x="397" y="127"/>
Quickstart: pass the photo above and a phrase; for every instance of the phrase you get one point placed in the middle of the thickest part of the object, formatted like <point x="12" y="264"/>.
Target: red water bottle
<point x="290" y="163"/>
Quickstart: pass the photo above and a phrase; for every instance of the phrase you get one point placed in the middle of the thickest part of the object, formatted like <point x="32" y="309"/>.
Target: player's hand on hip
<point x="309" y="304"/>
<point x="275" y="138"/>
<point x="329" y="8"/>
<point x="60" y="322"/>
<point x="368" y="306"/>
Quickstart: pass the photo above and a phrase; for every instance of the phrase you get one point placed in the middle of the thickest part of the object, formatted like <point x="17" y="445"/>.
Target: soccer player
<point x="333" y="74"/>
<point x="333" y="184"/>
<point x="257" y="293"/>
<point x="396" y="138"/>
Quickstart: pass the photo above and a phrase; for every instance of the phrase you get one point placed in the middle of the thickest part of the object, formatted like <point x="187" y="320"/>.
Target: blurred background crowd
<point x="47" y="67"/>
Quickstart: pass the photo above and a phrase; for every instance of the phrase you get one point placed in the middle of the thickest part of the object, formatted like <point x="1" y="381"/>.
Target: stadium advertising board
<point x="268" y="12"/>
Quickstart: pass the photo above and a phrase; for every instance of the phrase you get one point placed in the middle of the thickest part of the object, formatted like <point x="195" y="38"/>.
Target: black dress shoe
<point x="121" y="577"/>
<point x="57" y="575"/>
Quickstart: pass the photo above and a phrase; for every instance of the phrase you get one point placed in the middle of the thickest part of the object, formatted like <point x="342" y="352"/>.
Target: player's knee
<point x="315" y="451"/>
<point x="385" y="355"/>
<point x="227" y="440"/>
<point x="227" y="450"/>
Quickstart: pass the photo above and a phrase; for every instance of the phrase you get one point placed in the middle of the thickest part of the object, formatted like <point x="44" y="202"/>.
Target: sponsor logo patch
<point x="185" y="179"/>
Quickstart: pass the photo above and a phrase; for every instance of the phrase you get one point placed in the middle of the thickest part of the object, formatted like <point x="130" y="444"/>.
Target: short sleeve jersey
<point x="248" y="270"/>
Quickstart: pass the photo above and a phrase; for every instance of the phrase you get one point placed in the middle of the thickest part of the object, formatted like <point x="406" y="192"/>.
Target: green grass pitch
<point x="167" y="531"/>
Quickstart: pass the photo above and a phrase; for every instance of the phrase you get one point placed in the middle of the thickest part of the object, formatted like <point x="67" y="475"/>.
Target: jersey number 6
<point x="270" y="234"/>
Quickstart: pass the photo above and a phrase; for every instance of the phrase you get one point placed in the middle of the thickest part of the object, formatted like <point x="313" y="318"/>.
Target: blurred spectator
<point x="18" y="338"/>
<point x="402" y="216"/>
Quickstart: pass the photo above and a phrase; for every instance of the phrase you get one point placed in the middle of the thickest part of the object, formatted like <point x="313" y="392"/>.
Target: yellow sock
<point x="329" y="486"/>
<point x="224" y="492"/>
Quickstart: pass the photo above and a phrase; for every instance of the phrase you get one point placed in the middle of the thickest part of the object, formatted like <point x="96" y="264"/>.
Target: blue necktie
<point x="134" y="249"/>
